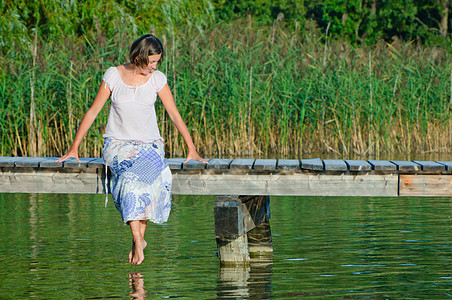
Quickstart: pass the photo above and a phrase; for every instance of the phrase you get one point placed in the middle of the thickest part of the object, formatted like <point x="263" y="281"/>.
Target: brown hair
<point x="143" y="47"/>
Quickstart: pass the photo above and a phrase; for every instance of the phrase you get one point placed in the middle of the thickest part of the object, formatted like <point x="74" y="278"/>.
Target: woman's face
<point x="152" y="65"/>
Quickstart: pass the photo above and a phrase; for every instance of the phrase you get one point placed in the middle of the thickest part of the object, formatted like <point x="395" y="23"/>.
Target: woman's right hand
<point x="69" y="154"/>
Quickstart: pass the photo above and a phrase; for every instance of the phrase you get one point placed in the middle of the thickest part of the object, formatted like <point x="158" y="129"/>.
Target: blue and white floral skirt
<point x="141" y="179"/>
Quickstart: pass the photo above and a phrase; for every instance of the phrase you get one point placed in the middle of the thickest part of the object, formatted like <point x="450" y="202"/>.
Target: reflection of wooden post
<point x="233" y="282"/>
<point x="259" y="282"/>
<point x="235" y="217"/>
<point x="246" y="282"/>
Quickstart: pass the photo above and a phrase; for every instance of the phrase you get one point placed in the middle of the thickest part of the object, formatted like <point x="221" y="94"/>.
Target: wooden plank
<point x="242" y="163"/>
<point x="7" y="162"/>
<point x="288" y="164"/>
<point x="406" y="166"/>
<point x="302" y="184"/>
<point x="358" y="165"/>
<point x="382" y="165"/>
<point x="314" y="164"/>
<point x="448" y="164"/>
<point x="97" y="163"/>
<point x="73" y="163"/>
<point x="175" y="163"/>
<point x="50" y="162"/>
<point x="90" y="181"/>
<point x="335" y="165"/>
<point x="426" y="185"/>
<point x="29" y="162"/>
<point x="265" y="164"/>
<point x="219" y="164"/>
<point x="194" y="165"/>
<point x="430" y="165"/>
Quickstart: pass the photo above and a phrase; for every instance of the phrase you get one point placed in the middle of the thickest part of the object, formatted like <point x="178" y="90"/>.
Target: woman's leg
<point x="143" y="224"/>
<point x="136" y="255"/>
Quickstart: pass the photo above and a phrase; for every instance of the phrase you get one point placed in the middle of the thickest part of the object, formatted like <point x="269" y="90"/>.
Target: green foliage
<point x="368" y="21"/>
<point x="263" y="11"/>
<point x="357" y="21"/>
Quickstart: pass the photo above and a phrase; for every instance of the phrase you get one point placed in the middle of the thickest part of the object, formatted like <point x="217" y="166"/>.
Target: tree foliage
<point x="357" y="21"/>
<point x="354" y="20"/>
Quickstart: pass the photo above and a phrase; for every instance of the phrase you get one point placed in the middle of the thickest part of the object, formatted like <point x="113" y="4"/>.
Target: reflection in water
<point x="136" y="282"/>
<point x="246" y="282"/>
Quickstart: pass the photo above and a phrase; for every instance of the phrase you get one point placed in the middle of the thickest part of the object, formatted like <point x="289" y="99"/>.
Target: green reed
<point x="243" y="90"/>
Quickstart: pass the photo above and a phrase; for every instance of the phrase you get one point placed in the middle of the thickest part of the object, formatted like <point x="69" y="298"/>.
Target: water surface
<point x="70" y="246"/>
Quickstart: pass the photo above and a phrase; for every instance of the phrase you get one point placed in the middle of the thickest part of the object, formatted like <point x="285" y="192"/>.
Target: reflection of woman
<point x="137" y="284"/>
<point x="133" y="148"/>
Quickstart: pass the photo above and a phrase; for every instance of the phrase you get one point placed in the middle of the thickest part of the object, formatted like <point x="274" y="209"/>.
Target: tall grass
<point x="242" y="90"/>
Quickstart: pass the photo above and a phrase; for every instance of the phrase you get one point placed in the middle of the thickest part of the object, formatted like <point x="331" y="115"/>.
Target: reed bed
<point x="243" y="90"/>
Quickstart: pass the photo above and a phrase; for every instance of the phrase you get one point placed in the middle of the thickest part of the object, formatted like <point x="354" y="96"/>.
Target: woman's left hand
<point x="194" y="155"/>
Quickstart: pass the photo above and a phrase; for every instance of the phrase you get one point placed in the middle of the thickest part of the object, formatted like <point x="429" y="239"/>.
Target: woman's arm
<point x="168" y="101"/>
<point x="101" y="98"/>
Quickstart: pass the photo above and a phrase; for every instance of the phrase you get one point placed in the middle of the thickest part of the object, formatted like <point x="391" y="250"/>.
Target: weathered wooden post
<point x="236" y="219"/>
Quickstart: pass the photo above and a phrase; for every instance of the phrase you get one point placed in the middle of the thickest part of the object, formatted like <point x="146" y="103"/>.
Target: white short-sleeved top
<point x="132" y="112"/>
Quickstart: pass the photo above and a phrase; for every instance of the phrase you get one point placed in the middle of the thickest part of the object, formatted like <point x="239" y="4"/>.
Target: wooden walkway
<point x="305" y="177"/>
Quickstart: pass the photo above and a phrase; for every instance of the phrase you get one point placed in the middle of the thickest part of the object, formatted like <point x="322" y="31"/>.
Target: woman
<point x="133" y="148"/>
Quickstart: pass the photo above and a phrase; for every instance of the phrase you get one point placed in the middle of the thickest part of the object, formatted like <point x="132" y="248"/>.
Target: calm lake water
<point x="70" y="246"/>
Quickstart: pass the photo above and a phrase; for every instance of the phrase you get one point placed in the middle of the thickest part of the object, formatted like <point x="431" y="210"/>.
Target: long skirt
<point x="141" y="179"/>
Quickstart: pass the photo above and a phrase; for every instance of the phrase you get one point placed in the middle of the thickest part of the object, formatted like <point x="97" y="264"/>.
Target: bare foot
<point x="131" y="251"/>
<point x="137" y="256"/>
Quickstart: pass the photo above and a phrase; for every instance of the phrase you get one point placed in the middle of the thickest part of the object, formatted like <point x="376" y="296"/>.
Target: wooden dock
<point x="242" y="187"/>
<point x="290" y="177"/>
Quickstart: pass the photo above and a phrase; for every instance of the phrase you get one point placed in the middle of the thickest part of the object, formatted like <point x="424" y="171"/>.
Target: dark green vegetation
<point x="288" y="77"/>
<point x="358" y="21"/>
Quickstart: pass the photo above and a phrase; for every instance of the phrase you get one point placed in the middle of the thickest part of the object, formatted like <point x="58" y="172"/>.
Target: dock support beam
<point x="242" y="228"/>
